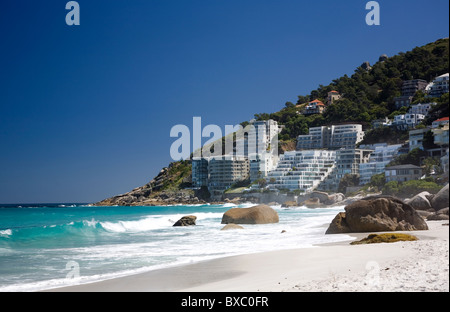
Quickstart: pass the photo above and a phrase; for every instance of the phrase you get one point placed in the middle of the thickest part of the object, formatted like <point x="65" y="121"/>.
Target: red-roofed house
<point x="314" y="107"/>
<point x="439" y="122"/>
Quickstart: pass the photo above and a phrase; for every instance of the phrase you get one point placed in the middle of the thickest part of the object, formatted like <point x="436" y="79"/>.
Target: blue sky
<point x="86" y="111"/>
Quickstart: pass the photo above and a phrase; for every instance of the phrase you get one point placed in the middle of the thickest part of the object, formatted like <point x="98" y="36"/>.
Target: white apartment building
<point x="262" y="150"/>
<point x="346" y="136"/>
<point x="334" y="137"/>
<point x="416" y="138"/>
<point x="421" y="109"/>
<point x="407" y="121"/>
<point x="264" y="137"/>
<point x="302" y="170"/>
<point x="439" y="86"/>
<point x="382" y="155"/>
<point x="224" y="171"/>
<point x="261" y="165"/>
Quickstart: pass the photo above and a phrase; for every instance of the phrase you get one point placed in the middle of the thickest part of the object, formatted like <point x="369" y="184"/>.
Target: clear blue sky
<point x="86" y="111"/>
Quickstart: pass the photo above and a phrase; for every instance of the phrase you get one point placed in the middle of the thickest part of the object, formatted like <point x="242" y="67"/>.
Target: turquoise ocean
<point x="52" y="245"/>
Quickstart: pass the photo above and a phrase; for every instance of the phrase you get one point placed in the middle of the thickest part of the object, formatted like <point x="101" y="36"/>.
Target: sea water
<point x="48" y="246"/>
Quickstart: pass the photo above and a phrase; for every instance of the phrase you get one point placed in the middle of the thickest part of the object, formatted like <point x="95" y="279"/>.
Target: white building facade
<point x="302" y="170"/>
<point x="334" y="137"/>
<point x="381" y="156"/>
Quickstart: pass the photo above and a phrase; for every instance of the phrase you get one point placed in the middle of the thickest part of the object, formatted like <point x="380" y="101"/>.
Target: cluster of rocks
<point x="316" y="199"/>
<point x="432" y="207"/>
<point x="387" y="213"/>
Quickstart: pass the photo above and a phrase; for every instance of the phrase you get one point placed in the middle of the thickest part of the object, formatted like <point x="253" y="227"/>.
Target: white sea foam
<point x="6" y="232"/>
<point x="153" y="222"/>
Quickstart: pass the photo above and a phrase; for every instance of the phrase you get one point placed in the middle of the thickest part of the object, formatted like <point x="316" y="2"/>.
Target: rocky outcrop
<point x="439" y="215"/>
<point x="317" y="198"/>
<point x="377" y="214"/>
<point x="440" y="200"/>
<point x="313" y="202"/>
<point x="186" y="221"/>
<point x="260" y="214"/>
<point x="288" y="204"/>
<point x="420" y="201"/>
<point x="165" y="189"/>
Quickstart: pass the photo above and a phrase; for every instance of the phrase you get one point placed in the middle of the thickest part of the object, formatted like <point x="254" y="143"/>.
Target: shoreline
<point x="327" y="267"/>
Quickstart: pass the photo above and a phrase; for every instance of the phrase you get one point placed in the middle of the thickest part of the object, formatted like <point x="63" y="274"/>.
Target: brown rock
<point x="420" y="201"/>
<point x="186" y="221"/>
<point x="260" y="214"/>
<point x="376" y="214"/>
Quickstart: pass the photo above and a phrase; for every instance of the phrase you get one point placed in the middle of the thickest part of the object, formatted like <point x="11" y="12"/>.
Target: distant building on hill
<point x="402" y="173"/>
<point x="438" y="86"/>
<point x="382" y="155"/>
<point x="404" y="100"/>
<point x="440" y="122"/>
<point x="416" y="138"/>
<point x="332" y="97"/>
<point x="314" y="107"/>
<point x="441" y="135"/>
<point x="421" y="109"/>
<point x="409" y="88"/>
<point x="333" y="137"/>
<point x="407" y="121"/>
<point x="383" y="122"/>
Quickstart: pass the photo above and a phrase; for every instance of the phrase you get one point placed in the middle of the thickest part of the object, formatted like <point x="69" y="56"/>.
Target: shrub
<point x="391" y="188"/>
<point x="413" y="187"/>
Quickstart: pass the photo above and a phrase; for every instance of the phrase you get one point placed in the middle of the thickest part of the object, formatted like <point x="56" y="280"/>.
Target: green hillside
<point x="368" y="94"/>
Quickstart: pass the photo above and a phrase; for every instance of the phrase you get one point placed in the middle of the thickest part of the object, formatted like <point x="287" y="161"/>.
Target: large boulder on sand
<point x="377" y="214"/>
<point x="440" y="200"/>
<point x="260" y="214"/>
<point x="186" y="221"/>
<point x="420" y="201"/>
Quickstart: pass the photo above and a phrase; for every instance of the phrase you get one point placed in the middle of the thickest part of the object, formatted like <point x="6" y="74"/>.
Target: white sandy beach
<point x="421" y="265"/>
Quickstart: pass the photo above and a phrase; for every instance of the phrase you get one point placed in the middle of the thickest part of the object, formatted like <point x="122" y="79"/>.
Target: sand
<point x="420" y="266"/>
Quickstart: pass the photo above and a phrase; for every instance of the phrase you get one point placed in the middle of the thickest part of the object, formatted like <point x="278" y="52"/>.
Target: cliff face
<point x="165" y="189"/>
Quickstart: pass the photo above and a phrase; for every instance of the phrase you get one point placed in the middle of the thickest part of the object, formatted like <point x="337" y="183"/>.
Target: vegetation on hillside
<point x="368" y="94"/>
